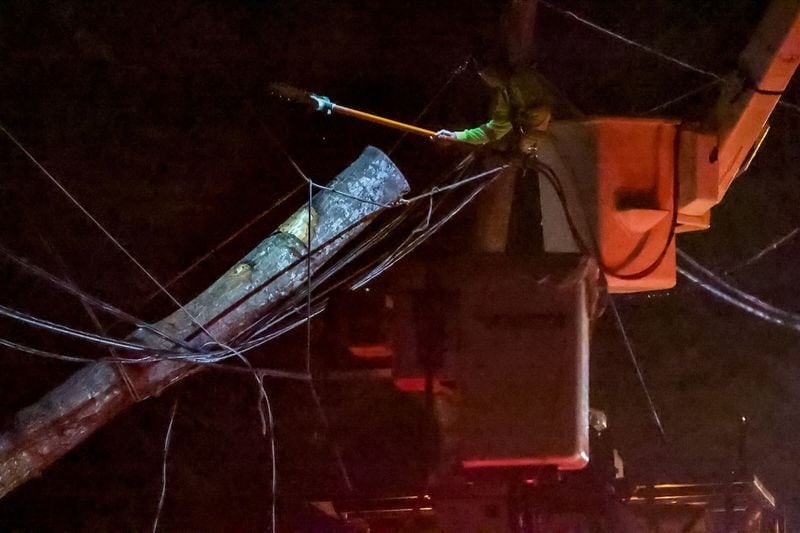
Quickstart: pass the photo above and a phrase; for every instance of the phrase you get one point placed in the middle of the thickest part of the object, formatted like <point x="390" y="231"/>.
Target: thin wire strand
<point x="736" y="296"/>
<point x="224" y="243"/>
<point x="727" y="297"/>
<point x="69" y="331"/>
<point x="205" y="358"/>
<point x="123" y="373"/>
<point x="460" y="68"/>
<point x="315" y="395"/>
<point x="300" y="260"/>
<point x="313" y="184"/>
<point x="42" y="353"/>
<point x="422" y="227"/>
<point x="167" y="440"/>
<point x="630" y="42"/>
<point x="88" y="215"/>
<point x="629" y="348"/>
<point x="268" y="322"/>
<point x="118" y="244"/>
<point x="385" y="230"/>
<point x="652" y="51"/>
<point x="141" y="267"/>
<point x="402" y="201"/>
<point x="65" y="286"/>
<point x="438" y="190"/>
<point x="309" y="283"/>
<point x="84" y="297"/>
<point x="76" y="359"/>
<point x="789" y="105"/>
<point x="308" y="303"/>
<point x="412" y="241"/>
<point x="261" y="372"/>
<point x="771" y="247"/>
<point x="412" y="244"/>
<point x="688" y="94"/>
<point x="70" y="358"/>
<point x="157" y="353"/>
<point x="273" y="456"/>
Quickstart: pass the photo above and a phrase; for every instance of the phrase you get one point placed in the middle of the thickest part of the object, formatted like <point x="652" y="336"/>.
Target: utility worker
<point x="521" y="109"/>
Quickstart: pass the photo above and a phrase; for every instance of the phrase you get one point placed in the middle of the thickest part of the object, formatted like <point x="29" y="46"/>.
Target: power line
<point x="199" y="358"/>
<point x="273" y="454"/>
<point x="628" y="41"/>
<point x="224" y="243"/>
<point x="726" y="297"/>
<point x="771" y="247"/>
<point x="63" y="285"/>
<point x="400" y="202"/>
<point x="113" y="239"/>
<point x="311" y="184"/>
<point x="725" y="291"/>
<point x="688" y="94"/>
<point x="167" y="440"/>
<point x="72" y="332"/>
<point x="312" y="387"/>
<point x="88" y="215"/>
<point x="652" y="51"/>
<point x="640" y="376"/>
<point x="158" y="354"/>
<point x="261" y="372"/>
<point x="411" y="244"/>
<point x="416" y="238"/>
<point x="292" y="307"/>
<point x="42" y="353"/>
<point x="438" y="190"/>
<point x="460" y="68"/>
<point x="121" y="370"/>
<point x="310" y="284"/>
<point x="85" y="297"/>
<point x="141" y="267"/>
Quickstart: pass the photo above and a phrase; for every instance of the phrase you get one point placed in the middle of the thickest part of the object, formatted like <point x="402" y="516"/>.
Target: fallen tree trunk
<point x="70" y="413"/>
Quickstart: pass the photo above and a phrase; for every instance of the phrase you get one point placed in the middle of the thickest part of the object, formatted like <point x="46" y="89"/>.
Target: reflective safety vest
<point x="520" y="104"/>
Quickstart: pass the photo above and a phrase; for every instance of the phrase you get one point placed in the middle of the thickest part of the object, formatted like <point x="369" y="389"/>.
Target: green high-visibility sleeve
<point x="496" y="128"/>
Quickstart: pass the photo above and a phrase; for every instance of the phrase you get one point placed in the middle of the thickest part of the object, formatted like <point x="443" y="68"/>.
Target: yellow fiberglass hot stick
<point x="324" y="104"/>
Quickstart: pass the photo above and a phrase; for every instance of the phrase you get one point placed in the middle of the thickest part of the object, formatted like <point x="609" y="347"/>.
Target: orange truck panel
<point x="618" y="176"/>
<point x="619" y="173"/>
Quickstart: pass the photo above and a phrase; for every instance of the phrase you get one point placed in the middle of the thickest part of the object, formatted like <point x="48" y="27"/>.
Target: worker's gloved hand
<point x="445" y="135"/>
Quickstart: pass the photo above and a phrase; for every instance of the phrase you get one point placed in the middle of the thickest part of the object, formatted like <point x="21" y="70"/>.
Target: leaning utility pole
<point x="264" y="278"/>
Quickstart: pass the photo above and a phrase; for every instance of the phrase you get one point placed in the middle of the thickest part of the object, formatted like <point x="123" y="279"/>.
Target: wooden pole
<point x="519" y="30"/>
<point x="70" y="413"/>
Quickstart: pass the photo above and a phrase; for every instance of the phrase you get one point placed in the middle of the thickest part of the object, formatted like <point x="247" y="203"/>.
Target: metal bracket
<point x="323" y="103"/>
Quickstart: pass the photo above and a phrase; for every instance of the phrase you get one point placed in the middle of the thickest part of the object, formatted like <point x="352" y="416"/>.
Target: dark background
<point x="156" y="116"/>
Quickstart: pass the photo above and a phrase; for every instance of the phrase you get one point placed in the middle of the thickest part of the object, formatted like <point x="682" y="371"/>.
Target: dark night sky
<point x="156" y="116"/>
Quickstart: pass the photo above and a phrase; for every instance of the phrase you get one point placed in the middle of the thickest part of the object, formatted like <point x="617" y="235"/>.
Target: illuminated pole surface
<point x="70" y="413"/>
